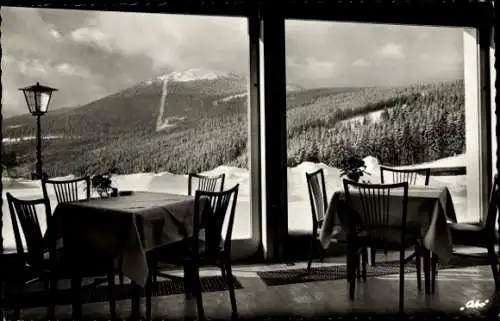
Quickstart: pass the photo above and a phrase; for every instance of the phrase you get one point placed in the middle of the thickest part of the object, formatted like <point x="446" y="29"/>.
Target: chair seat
<point x="466" y="227"/>
<point x="318" y="232"/>
<point x="334" y="237"/>
<point x="85" y="265"/>
<point x="472" y="235"/>
<point x="386" y="238"/>
<point x="179" y="252"/>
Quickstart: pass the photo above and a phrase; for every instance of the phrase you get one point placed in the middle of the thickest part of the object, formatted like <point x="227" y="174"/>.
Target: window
<point x="398" y="95"/>
<point x="147" y="97"/>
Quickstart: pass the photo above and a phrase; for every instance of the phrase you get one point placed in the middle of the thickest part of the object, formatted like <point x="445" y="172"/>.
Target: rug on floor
<point x="337" y="272"/>
<point x="34" y="299"/>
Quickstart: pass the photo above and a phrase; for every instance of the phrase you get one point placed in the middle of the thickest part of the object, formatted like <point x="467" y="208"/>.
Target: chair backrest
<point x="67" y="190"/>
<point x="418" y="176"/>
<point x="25" y="211"/>
<point x="493" y="206"/>
<point x="377" y="204"/>
<point x="317" y="195"/>
<point x="211" y="219"/>
<point x="205" y="183"/>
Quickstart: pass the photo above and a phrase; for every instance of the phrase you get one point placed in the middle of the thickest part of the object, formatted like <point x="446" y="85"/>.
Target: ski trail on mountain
<point x="160" y="123"/>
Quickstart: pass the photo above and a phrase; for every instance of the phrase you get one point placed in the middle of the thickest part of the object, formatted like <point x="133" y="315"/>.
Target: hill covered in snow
<point x="196" y="120"/>
<point x="299" y="220"/>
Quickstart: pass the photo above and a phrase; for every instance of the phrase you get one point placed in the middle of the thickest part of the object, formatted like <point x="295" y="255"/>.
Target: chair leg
<point x="46" y="285"/>
<point x="358" y="265"/>
<point x="492" y="257"/>
<point x="321" y="252"/>
<point x="364" y="254"/>
<point x="188" y="278"/>
<point x="16" y="315"/>
<point x="418" y="264"/>
<point x="223" y="270"/>
<point x="76" y="287"/>
<point x="17" y="301"/>
<point x="197" y="291"/>
<point x="427" y="268"/>
<point x="53" y="296"/>
<point x="230" y="285"/>
<point x="120" y="273"/>
<point x="351" y="270"/>
<point x="149" y="293"/>
<point x="121" y="277"/>
<point x="311" y="248"/>
<point x="401" y="279"/>
<point x="373" y="251"/>
<point x="112" y="293"/>
<point x="434" y="261"/>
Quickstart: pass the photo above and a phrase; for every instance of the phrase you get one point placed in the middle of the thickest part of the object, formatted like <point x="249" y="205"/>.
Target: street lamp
<point x="38" y="99"/>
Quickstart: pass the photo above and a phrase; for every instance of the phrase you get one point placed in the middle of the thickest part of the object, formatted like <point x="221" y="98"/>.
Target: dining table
<point x="128" y="226"/>
<point x="429" y="209"/>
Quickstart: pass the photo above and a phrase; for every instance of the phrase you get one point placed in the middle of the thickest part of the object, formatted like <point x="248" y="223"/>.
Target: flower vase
<point x="104" y="192"/>
<point x="354" y="177"/>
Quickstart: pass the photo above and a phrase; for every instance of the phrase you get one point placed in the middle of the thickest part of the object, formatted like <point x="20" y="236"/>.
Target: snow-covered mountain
<point x="189" y="75"/>
<point x="163" y="101"/>
<point x="195" y="74"/>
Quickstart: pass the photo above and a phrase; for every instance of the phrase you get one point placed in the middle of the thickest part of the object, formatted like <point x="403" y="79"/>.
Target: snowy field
<point x="299" y="216"/>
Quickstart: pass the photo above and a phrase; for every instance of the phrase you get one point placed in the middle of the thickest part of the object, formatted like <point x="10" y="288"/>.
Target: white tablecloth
<point x="134" y="224"/>
<point x="429" y="208"/>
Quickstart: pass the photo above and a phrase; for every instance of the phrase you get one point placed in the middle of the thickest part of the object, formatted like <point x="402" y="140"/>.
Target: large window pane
<point x="148" y="97"/>
<point x="392" y="95"/>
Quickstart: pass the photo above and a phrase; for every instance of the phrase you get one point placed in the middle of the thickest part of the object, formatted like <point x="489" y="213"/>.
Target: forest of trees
<point x="419" y="123"/>
<point x="416" y="125"/>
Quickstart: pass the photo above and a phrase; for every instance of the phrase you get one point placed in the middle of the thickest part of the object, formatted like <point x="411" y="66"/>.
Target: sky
<point x="90" y="54"/>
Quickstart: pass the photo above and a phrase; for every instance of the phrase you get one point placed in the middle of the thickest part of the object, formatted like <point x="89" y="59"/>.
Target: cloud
<point x="180" y="41"/>
<point x="54" y="33"/>
<point x="8" y="59"/>
<point x="320" y="68"/>
<point x="361" y="62"/>
<point x="72" y="70"/>
<point x="34" y="68"/>
<point x="392" y="51"/>
<point x="90" y="54"/>
<point x="92" y="36"/>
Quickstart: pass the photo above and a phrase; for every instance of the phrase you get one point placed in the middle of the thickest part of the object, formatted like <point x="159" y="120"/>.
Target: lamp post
<point x="38" y="99"/>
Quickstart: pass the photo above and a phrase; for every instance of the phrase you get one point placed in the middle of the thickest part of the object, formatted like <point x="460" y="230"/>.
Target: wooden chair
<point x="376" y="225"/>
<point x="205" y="247"/>
<point x="49" y="264"/>
<point x="481" y="235"/>
<point x="68" y="191"/>
<point x="319" y="205"/>
<point x="414" y="177"/>
<point x="205" y="183"/>
<point x="10" y="266"/>
<point x="198" y="182"/>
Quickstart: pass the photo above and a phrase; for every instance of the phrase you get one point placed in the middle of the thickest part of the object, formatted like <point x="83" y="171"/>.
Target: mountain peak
<point x="293" y="87"/>
<point x="194" y="74"/>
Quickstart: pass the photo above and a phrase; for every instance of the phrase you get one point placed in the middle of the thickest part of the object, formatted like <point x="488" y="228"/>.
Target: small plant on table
<point x="353" y="167"/>
<point x="102" y="184"/>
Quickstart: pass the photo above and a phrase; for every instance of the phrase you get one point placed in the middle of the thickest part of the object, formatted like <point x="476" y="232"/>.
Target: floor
<point x="455" y="287"/>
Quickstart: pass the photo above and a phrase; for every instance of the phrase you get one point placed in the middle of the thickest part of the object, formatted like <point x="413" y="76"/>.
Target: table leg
<point x="427" y="270"/>
<point x="371" y="255"/>
<point x="76" y="288"/>
<point x="136" y="299"/>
